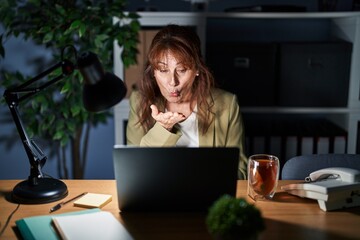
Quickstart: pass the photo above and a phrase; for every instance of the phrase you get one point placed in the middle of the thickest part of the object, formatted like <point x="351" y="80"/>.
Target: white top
<point x="190" y="132"/>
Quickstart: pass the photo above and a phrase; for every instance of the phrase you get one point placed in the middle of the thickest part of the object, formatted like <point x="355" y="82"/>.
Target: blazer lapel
<point x="208" y="140"/>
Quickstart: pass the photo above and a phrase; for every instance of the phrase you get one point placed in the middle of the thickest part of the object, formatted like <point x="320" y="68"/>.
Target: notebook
<point x="173" y="178"/>
<point x="40" y="227"/>
<point x="97" y="225"/>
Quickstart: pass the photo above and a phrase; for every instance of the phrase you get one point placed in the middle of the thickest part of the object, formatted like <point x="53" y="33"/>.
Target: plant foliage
<point x="230" y="216"/>
<point x="88" y="25"/>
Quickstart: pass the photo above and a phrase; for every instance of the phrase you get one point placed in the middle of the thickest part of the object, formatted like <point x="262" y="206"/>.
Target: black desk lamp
<point x="101" y="91"/>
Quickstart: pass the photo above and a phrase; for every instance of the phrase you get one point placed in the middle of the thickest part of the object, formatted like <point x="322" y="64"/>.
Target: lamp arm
<point x="67" y="69"/>
<point x="35" y="155"/>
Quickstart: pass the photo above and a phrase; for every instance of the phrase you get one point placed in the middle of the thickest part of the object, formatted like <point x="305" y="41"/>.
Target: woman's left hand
<point x="167" y="119"/>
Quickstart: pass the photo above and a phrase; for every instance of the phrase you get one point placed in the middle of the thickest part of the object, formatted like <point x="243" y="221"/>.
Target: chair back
<point x="299" y="167"/>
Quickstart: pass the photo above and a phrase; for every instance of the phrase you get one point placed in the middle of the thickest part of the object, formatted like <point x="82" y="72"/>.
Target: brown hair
<point x="184" y="44"/>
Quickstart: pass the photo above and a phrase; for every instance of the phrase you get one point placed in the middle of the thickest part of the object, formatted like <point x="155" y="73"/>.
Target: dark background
<point x="13" y="161"/>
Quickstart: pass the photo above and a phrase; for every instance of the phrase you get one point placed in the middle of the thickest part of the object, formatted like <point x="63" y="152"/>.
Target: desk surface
<point x="286" y="216"/>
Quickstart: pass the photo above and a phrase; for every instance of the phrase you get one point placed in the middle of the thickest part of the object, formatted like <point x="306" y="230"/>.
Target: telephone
<point x="343" y="174"/>
<point x="333" y="188"/>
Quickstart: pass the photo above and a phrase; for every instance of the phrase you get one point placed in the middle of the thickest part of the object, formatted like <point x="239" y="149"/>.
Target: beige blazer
<point x="225" y="131"/>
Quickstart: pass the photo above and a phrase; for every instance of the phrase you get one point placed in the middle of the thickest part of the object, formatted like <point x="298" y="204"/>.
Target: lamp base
<point x="47" y="190"/>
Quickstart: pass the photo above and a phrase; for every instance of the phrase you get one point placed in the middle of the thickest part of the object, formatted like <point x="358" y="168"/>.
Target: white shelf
<point x="303" y="15"/>
<point x="299" y="110"/>
<point x="161" y="16"/>
<point x="344" y="25"/>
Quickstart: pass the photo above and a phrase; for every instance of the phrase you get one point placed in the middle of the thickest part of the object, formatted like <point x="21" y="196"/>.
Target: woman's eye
<point x="163" y="70"/>
<point x="182" y="70"/>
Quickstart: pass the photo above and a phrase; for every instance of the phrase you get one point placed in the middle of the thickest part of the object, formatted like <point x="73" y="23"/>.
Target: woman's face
<point x="174" y="79"/>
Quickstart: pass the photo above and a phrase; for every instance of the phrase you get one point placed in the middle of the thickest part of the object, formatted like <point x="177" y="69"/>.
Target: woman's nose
<point x="173" y="81"/>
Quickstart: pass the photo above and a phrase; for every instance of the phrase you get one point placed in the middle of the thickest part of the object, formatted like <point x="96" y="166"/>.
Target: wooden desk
<point x="286" y="217"/>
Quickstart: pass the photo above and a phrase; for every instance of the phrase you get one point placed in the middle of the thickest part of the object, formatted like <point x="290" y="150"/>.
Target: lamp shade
<point x="101" y="90"/>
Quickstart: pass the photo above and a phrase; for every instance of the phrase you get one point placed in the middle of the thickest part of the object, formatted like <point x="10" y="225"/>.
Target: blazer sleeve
<point x="157" y="136"/>
<point x="236" y="135"/>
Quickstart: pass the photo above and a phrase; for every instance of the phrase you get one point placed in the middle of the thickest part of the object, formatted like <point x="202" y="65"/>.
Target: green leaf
<point x="71" y="126"/>
<point x="60" y="9"/>
<point x="75" y="110"/>
<point x="59" y="126"/>
<point x="75" y="25"/>
<point x="44" y="29"/>
<point x="52" y="119"/>
<point x="64" y="141"/>
<point x="43" y="107"/>
<point x="135" y="26"/>
<point x="66" y="87"/>
<point x="102" y="37"/>
<point x="65" y="113"/>
<point x="68" y="32"/>
<point x="34" y="104"/>
<point x="48" y="37"/>
<point x="82" y="30"/>
<point x="58" y="135"/>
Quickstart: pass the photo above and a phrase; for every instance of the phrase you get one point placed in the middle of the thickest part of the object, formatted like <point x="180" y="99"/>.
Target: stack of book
<point x="85" y="224"/>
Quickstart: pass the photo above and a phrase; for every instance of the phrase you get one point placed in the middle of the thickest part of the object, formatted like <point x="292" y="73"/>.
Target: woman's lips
<point x="175" y="93"/>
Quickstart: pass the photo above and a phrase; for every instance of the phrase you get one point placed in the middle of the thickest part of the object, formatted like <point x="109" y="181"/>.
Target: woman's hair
<point x="184" y="44"/>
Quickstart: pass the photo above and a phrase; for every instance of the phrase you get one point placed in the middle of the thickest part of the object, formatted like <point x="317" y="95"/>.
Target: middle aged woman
<point x="177" y="103"/>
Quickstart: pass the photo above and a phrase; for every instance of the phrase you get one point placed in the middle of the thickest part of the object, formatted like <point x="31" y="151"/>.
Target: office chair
<point x="299" y="167"/>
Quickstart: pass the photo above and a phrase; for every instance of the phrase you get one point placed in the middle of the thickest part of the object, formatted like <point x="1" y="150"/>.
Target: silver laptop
<point x="173" y="178"/>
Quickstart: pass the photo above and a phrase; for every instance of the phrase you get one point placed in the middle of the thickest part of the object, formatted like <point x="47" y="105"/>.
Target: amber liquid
<point x="263" y="176"/>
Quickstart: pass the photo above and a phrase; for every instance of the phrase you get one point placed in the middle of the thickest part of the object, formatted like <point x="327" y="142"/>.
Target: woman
<point x="177" y="103"/>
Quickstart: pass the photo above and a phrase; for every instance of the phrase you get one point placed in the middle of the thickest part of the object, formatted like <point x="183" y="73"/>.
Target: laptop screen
<point x="173" y="178"/>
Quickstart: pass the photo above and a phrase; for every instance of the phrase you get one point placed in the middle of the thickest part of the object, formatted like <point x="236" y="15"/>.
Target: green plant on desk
<point x="234" y="218"/>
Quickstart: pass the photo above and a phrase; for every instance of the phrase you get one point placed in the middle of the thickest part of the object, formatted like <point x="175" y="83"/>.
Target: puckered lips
<point x="174" y="93"/>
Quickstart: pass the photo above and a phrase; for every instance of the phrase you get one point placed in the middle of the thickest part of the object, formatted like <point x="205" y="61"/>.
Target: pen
<point x="58" y="206"/>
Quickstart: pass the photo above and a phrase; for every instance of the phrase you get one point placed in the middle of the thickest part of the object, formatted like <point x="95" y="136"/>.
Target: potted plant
<point x="57" y="114"/>
<point x="234" y="218"/>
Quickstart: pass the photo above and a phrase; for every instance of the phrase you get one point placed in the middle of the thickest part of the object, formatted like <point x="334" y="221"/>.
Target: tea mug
<point x="263" y="176"/>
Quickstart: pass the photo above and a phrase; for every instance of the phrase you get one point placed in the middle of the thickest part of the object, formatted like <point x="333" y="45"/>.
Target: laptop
<point x="173" y="178"/>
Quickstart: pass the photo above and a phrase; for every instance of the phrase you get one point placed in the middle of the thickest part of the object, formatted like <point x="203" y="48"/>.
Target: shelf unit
<point x="344" y="25"/>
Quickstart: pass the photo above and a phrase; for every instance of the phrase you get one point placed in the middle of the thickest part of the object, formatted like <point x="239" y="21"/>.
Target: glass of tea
<point x="263" y="176"/>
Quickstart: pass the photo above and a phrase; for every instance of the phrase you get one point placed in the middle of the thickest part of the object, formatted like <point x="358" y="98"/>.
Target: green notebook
<point x="40" y="227"/>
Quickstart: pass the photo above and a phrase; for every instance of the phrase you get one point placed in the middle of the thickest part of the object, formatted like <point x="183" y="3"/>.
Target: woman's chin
<point x="173" y="99"/>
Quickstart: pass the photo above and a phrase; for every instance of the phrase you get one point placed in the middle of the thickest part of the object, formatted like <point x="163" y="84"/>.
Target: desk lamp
<point x="101" y="90"/>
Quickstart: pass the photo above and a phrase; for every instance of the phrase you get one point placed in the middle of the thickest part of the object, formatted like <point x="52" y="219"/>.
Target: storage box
<point x="314" y="74"/>
<point x="246" y="69"/>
